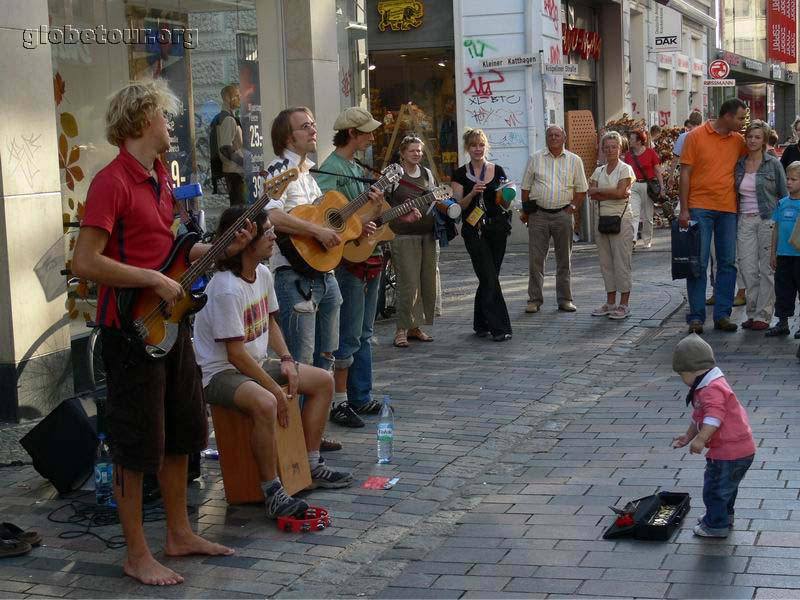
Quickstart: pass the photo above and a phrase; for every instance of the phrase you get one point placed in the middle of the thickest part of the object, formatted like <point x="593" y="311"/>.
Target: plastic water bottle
<point x="103" y="470"/>
<point x="385" y="432"/>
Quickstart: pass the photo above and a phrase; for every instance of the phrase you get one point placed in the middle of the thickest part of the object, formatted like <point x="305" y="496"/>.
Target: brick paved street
<point x="508" y="457"/>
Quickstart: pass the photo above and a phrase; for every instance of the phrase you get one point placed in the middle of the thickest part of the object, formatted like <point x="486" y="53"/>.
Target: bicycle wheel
<point x="94" y="361"/>
<point x="388" y="290"/>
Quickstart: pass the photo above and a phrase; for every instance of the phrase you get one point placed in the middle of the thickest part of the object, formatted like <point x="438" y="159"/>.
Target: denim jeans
<point x="356" y="322"/>
<point x="722" y="226"/>
<point x="720" y="487"/>
<point x="309" y="309"/>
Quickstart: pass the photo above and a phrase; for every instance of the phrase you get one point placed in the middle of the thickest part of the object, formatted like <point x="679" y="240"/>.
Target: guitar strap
<point x="366" y="180"/>
<point x="400" y="182"/>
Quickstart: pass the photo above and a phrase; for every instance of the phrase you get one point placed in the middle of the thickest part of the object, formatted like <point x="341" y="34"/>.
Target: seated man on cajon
<point x="231" y="337"/>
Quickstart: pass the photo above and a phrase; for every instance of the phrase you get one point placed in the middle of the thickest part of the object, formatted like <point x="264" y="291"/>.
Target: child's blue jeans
<point x="720" y="487"/>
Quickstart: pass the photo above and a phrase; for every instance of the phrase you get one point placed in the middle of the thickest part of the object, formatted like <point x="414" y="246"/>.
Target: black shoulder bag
<point x="611" y="224"/>
<point x="653" y="187"/>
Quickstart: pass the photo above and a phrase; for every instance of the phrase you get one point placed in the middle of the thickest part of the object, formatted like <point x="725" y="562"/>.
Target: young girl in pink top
<point x="719" y="423"/>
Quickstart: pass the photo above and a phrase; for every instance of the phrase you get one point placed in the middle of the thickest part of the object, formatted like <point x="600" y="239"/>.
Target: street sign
<point x="719" y="82"/>
<point x="719" y="69"/>
<point x="506" y="62"/>
<point x="560" y="69"/>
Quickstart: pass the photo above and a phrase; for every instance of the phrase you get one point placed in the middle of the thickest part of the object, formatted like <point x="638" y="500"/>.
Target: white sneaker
<point x="648" y="245"/>
<point x="604" y="310"/>
<point x="620" y="312"/>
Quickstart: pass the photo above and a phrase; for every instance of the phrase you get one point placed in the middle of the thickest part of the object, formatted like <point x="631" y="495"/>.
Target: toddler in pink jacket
<point x="719" y="423"/>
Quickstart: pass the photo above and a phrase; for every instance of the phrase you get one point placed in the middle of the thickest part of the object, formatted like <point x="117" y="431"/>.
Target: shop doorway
<point x="424" y="81"/>
<point x="578" y="96"/>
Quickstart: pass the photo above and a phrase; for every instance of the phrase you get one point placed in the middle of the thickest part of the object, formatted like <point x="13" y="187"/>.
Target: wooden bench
<point x="240" y="474"/>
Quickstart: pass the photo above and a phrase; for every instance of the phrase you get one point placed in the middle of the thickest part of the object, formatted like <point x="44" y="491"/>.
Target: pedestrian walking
<point x="760" y="181"/>
<point x="785" y="257"/>
<point x="485" y="229"/>
<point x="720" y="424"/>
<point x="647" y="168"/>
<point x="708" y="197"/>
<point x="553" y="188"/>
<point x="610" y="186"/>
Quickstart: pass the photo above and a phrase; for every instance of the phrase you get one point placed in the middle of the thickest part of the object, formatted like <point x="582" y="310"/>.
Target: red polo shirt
<point x="137" y="212"/>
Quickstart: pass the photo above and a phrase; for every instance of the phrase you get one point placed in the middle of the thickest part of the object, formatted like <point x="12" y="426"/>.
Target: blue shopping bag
<point x="685" y="251"/>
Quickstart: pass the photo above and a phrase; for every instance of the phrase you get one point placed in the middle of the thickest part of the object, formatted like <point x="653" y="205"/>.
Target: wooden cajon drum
<point x="240" y="474"/>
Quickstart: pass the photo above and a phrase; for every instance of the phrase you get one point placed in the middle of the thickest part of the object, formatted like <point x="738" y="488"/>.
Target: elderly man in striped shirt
<point x="553" y="189"/>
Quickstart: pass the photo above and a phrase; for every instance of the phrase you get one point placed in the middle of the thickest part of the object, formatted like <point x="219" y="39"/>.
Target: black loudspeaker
<point x="63" y="446"/>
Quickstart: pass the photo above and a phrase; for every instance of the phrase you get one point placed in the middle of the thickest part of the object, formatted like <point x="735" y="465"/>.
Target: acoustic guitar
<point x="361" y="249"/>
<point x="146" y="317"/>
<point x="334" y="212"/>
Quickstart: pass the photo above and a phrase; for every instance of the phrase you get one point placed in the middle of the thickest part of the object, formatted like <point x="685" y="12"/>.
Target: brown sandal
<point x="418" y="334"/>
<point x="400" y="339"/>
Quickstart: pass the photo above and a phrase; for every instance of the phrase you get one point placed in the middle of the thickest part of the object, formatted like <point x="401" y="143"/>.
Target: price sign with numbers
<point x="250" y="114"/>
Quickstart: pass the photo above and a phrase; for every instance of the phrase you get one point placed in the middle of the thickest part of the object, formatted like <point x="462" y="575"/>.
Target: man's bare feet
<point x="184" y="545"/>
<point x="149" y="571"/>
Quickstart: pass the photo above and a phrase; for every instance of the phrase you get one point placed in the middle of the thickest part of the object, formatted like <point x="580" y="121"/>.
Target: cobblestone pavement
<point x="508" y="457"/>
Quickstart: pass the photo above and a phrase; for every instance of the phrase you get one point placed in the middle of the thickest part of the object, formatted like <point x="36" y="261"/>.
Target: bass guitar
<point x="145" y="317"/>
<point x="333" y="212"/>
<point x="361" y="249"/>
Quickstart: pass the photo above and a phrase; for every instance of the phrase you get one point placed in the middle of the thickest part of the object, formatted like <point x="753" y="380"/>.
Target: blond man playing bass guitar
<point x="155" y="410"/>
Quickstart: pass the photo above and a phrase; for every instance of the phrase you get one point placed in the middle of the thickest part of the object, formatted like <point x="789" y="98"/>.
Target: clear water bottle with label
<point x="103" y="472"/>
<point x="385" y="432"/>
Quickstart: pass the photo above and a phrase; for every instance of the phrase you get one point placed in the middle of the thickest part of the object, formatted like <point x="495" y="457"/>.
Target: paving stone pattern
<point x="508" y="457"/>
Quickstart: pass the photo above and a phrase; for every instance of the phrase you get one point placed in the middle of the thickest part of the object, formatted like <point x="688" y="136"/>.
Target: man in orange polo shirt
<point x="708" y="197"/>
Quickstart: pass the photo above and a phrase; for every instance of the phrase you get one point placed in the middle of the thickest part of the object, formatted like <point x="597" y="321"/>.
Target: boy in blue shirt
<point x="785" y="258"/>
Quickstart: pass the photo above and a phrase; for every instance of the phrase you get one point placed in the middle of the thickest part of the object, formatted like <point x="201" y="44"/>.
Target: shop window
<point x="413" y="91"/>
<point x="351" y="41"/>
<point x="194" y="51"/>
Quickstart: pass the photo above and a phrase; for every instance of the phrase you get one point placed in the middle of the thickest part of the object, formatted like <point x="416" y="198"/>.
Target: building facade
<point x="61" y="61"/>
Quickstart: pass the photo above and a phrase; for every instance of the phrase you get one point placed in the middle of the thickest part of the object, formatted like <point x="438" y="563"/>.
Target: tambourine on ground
<point x="315" y="519"/>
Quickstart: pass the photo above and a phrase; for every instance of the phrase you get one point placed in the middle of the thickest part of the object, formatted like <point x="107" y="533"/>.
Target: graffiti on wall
<point x="477" y="48"/>
<point x="507" y="139"/>
<point x="480" y="85"/>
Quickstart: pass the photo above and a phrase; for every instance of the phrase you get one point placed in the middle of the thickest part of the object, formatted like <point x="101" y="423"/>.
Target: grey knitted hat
<point x="692" y="354"/>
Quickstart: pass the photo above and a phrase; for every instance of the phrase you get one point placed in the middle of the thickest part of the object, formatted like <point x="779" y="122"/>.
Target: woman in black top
<point x="486" y="227"/>
<point x="792" y="153"/>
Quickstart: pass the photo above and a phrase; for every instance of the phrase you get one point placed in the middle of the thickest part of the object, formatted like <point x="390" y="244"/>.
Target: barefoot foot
<point x="149" y="571"/>
<point x="184" y="545"/>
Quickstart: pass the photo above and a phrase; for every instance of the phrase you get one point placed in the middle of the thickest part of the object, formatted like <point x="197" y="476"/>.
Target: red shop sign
<point x="782" y="30"/>
<point x="585" y="43"/>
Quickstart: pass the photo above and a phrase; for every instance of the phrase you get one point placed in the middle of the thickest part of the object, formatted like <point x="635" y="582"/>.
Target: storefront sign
<point x="733" y="60"/>
<point x="580" y="41"/>
<point x="664" y="61"/>
<point x="698" y="67"/>
<point x="719" y="69"/>
<point x="682" y="63"/>
<point x="782" y="30"/>
<point x="777" y="72"/>
<point x="508" y="62"/>
<point x="400" y="15"/>
<point x="753" y="65"/>
<point x="667" y="30"/>
<point x="719" y="82"/>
